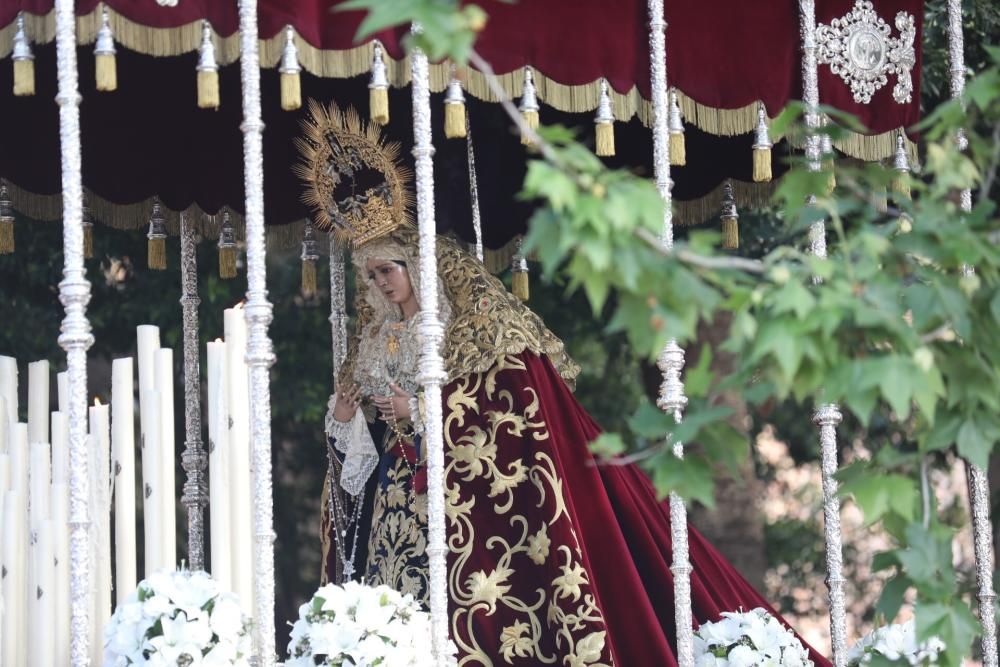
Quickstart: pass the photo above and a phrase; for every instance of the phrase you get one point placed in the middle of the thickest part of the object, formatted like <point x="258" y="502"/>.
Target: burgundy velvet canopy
<point x="149" y="138"/>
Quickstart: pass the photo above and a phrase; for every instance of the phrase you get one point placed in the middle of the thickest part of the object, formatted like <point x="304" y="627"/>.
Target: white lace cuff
<point x="354" y="441"/>
<point x="416" y="404"/>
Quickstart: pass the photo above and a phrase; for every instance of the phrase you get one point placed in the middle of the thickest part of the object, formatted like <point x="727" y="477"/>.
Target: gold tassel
<point x="730" y="233"/>
<point x="291" y="82"/>
<point x="901" y="184"/>
<point x="107" y="72"/>
<point x="24" y="78"/>
<point x="227" y="262"/>
<point x="761" y="164"/>
<point x="454" y="109"/>
<point x="291" y="91"/>
<point x="104" y="53"/>
<point x="831" y="175"/>
<point x="208" y="71"/>
<point x="605" y="139"/>
<point x="675" y="127"/>
<point x="208" y="89"/>
<point x="6" y="236"/>
<point x="157" y="253"/>
<point x="454" y="120"/>
<point x="881" y="200"/>
<point x="378" y="89"/>
<point x="308" y="278"/>
<point x="88" y="241"/>
<point x="24" y="62"/>
<point x="531" y="120"/>
<point x="519" y="285"/>
<point x="678" y="154"/>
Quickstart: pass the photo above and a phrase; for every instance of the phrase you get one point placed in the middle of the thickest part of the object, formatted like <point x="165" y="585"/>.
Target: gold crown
<point x="339" y="154"/>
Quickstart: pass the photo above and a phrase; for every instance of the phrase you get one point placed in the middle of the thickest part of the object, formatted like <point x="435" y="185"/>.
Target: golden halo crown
<point x="354" y="182"/>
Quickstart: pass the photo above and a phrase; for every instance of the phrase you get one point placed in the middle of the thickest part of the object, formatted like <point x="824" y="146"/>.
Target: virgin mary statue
<point x="554" y="559"/>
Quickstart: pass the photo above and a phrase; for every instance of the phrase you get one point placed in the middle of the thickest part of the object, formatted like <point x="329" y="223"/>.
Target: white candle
<point x="38" y="401"/>
<point x="218" y="465"/>
<point x="149" y="408"/>
<point x="40" y="639"/>
<point x="40" y="479"/>
<point x="62" y="391"/>
<point x="3" y="424"/>
<point x="123" y="471"/>
<point x="164" y="379"/>
<point x="60" y="448"/>
<point x="100" y="517"/>
<point x="4" y="474"/>
<point x="15" y="590"/>
<point x="59" y="506"/>
<point x="8" y="388"/>
<point x="148" y="342"/>
<point x="241" y="502"/>
<point x="17" y="448"/>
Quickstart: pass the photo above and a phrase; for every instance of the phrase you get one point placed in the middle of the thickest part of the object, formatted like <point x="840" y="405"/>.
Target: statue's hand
<point x="347" y="403"/>
<point x="394" y="406"/>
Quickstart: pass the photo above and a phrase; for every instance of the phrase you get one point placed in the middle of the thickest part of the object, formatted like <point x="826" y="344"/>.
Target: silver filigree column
<point x="671" y="360"/>
<point x="260" y="355"/>
<point x="979" y="488"/>
<point x="338" y="305"/>
<point x="432" y="373"/>
<point x="827" y="417"/>
<point x="75" y="335"/>
<point x="194" y="460"/>
<point x="477" y="221"/>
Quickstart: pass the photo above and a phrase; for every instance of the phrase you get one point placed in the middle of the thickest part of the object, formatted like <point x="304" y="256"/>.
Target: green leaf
<point x="608" y="445"/>
<point x="973" y="443"/>
<point x="953" y="624"/>
<point x="650" y="422"/>
<point x="896" y="384"/>
<point x="927" y="558"/>
<point x="892" y="597"/>
<point x="877" y="495"/>
<point x="689" y="478"/>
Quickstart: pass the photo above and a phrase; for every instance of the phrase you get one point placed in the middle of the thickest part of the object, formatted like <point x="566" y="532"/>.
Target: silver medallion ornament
<point x="859" y="49"/>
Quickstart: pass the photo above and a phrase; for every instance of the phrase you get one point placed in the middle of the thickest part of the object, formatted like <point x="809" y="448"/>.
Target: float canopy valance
<point x="724" y="60"/>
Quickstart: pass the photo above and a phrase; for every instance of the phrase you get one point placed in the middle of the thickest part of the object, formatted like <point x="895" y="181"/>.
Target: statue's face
<point x="391" y="279"/>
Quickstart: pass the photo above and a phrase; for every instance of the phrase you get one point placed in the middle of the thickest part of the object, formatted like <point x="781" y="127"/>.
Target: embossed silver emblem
<point x="859" y="49"/>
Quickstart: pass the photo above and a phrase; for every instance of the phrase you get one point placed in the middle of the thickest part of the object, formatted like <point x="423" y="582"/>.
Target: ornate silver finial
<point x="6" y="205"/>
<point x="675" y="122"/>
<point x="671" y="362"/>
<point x="858" y="49"/>
<point x="157" y="222"/>
<point x="604" y="113"/>
<point x="379" y="80"/>
<point x="227" y="234"/>
<point x="22" y="47"/>
<point x="105" y="38"/>
<point x="310" y="251"/>
<point x="900" y="162"/>
<point x="529" y="97"/>
<point x="729" y="202"/>
<point x="206" y="52"/>
<point x="762" y="136"/>
<point x="827" y="415"/>
<point x="454" y="94"/>
<point x="289" y="54"/>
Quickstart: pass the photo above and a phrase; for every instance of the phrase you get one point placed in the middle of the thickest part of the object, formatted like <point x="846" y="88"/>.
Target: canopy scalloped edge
<point x="341" y="64"/>
<point x="135" y="216"/>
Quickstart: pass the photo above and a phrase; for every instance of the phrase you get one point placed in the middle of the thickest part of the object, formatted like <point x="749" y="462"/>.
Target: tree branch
<point x="701" y="261"/>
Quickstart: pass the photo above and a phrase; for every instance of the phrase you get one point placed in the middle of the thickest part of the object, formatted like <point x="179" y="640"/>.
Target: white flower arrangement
<point x="355" y="624"/>
<point x="748" y="639"/>
<point x="178" y="618"/>
<point x="896" y="642"/>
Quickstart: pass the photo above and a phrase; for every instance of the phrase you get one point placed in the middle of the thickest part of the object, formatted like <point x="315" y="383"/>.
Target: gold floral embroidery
<point x="570" y="610"/>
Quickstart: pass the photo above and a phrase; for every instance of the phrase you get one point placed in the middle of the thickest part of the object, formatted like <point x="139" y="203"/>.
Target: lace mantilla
<point x="354" y="441"/>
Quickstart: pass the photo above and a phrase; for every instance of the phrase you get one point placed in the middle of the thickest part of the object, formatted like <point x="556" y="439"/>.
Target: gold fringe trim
<point x="6" y="237"/>
<point x="747" y="195"/>
<point x="347" y="63"/>
<point x="88" y="242"/>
